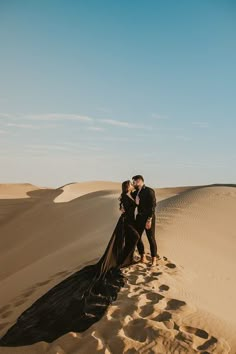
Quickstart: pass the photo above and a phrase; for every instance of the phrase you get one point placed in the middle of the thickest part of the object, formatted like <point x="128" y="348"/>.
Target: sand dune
<point x="185" y="307"/>
<point x="74" y="190"/>
<point x="16" y="190"/>
<point x="198" y="228"/>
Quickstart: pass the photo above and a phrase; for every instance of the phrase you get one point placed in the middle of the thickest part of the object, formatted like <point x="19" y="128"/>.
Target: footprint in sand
<point x="28" y="292"/>
<point x="164" y="287"/>
<point x="132" y="279"/>
<point x="197" y="331"/>
<point x="163" y="316"/>
<point x="4" y="325"/>
<point x="186" y="338"/>
<point x="210" y="342"/>
<point x="149" y="278"/>
<point x="146" y="310"/>
<point x="154" y="297"/>
<point x="62" y="273"/>
<point x="42" y="283"/>
<point x="156" y="274"/>
<point x="175" y="304"/>
<point x="187" y="333"/>
<point x="6" y="314"/>
<point x="170" y="265"/>
<point x="4" y="309"/>
<point x="134" y="330"/>
<point x="21" y="299"/>
<point x="18" y="303"/>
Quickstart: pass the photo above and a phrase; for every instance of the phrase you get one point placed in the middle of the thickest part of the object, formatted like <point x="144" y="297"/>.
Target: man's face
<point x="137" y="183"/>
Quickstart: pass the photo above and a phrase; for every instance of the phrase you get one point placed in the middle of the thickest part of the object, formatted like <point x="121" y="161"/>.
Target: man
<point x="145" y="218"/>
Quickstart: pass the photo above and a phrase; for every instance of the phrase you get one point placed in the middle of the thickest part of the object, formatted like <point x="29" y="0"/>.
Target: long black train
<point x="79" y="300"/>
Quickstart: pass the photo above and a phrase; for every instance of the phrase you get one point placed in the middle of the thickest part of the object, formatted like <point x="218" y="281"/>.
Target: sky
<point x="103" y="90"/>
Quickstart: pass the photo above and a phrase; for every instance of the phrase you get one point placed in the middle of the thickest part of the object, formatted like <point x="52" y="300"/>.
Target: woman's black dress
<point x="82" y="298"/>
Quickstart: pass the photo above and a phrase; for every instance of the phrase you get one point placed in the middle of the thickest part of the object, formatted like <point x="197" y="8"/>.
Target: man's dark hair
<point x="138" y="177"/>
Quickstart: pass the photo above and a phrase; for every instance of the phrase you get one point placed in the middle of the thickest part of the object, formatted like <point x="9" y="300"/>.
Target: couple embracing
<point x="137" y="204"/>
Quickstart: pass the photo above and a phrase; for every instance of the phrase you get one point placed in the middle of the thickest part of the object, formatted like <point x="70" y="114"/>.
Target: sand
<point x="15" y="191"/>
<point x="184" y="305"/>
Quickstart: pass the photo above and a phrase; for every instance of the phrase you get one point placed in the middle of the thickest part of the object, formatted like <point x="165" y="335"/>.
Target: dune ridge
<point x="16" y="190"/>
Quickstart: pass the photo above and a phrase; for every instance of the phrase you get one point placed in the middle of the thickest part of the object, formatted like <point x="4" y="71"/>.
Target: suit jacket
<point x="147" y="202"/>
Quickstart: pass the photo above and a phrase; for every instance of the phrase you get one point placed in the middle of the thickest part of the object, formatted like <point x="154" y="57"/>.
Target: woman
<point x="82" y="298"/>
<point x="130" y="234"/>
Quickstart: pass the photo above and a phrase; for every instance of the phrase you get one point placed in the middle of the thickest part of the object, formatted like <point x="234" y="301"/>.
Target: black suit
<point x="146" y="209"/>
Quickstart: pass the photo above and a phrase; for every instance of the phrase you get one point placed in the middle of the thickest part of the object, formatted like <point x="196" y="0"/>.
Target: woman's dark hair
<point x="125" y="189"/>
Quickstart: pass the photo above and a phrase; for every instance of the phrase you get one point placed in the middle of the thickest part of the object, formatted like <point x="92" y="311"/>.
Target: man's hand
<point x="148" y="224"/>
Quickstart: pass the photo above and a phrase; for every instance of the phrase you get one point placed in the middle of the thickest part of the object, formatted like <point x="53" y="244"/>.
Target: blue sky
<point x="102" y="90"/>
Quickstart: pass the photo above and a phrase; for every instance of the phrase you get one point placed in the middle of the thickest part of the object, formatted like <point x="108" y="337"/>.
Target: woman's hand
<point x="148" y="224"/>
<point x="137" y="199"/>
<point x="122" y="210"/>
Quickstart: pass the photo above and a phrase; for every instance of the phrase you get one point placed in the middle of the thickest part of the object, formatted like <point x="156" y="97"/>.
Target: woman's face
<point x="131" y="187"/>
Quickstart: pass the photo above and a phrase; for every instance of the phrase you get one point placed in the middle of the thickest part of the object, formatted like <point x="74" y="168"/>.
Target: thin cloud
<point x="197" y="165"/>
<point x="116" y="139"/>
<point x="116" y="123"/>
<point x="66" y="146"/>
<point x="55" y="117"/>
<point x="47" y="117"/>
<point x="119" y="123"/>
<point x="96" y="129"/>
<point x="5" y="115"/>
<point x="58" y="116"/>
<point x="21" y="125"/>
<point x="47" y="147"/>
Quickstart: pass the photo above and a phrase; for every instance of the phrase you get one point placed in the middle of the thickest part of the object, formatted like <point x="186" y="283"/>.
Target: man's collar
<point x="143" y="187"/>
